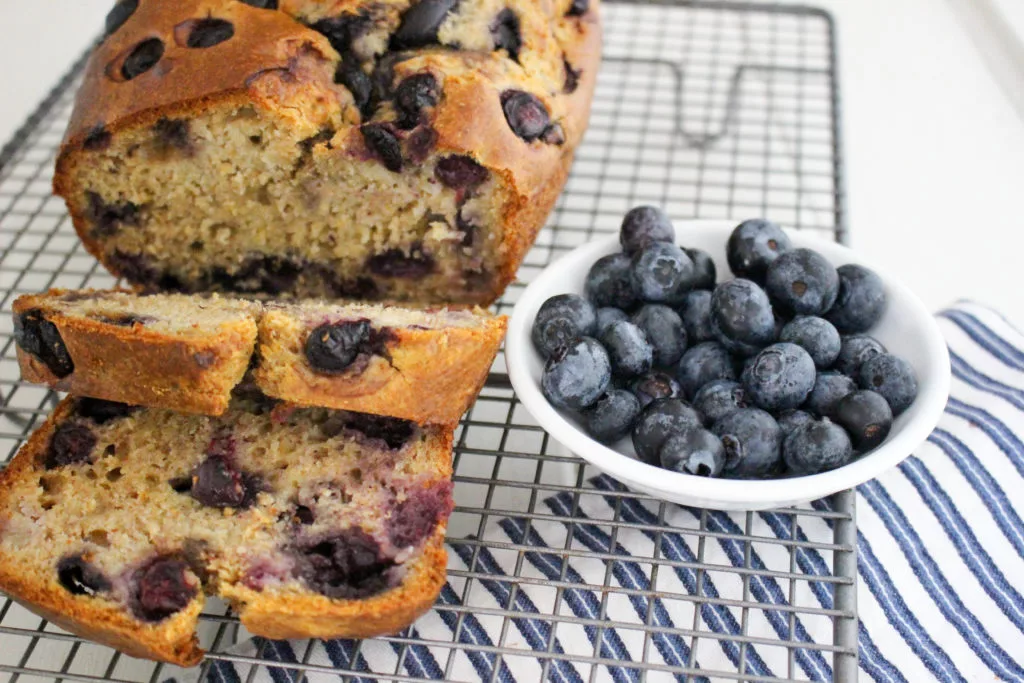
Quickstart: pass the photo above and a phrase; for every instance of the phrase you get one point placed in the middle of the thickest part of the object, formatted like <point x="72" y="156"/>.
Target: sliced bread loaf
<point x="187" y="352"/>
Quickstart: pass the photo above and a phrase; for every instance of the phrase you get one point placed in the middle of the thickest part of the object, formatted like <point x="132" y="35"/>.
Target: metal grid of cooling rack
<point x="709" y="109"/>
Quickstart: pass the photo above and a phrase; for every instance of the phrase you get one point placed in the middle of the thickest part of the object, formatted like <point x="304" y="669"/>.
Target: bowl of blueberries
<point x="732" y="367"/>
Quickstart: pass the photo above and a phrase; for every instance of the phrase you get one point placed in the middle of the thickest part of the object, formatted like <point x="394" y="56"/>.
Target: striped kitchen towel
<point x="941" y="553"/>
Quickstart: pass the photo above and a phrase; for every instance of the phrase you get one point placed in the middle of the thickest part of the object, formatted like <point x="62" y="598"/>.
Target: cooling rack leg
<point x="845" y="628"/>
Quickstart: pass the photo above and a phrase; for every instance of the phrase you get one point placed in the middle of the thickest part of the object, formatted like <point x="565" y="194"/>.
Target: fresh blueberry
<point x="556" y="333"/>
<point x="780" y="377"/>
<point x="662" y="273"/>
<point x="577" y="374"/>
<point x="71" y="444"/>
<point x="695" y="311"/>
<point x="658" y="421"/>
<point x="41" y="338"/>
<point x="665" y="332"/>
<point x="854" y="351"/>
<point x="610" y="282"/>
<point x="161" y="588"/>
<point x="695" y="451"/>
<point x="753" y="443"/>
<point x="78" y="576"/>
<point x="348" y="564"/>
<point x="653" y="386"/>
<point x="717" y="399"/>
<point x="608" y="315"/>
<point x="802" y="282"/>
<point x="818" y="446"/>
<point x="752" y="247"/>
<point x="789" y="420"/>
<point x="613" y="416"/>
<point x="628" y="349"/>
<point x="701" y="364"/>
<point x="816" y="336"/>
<point x="575" y="316"/>
<point x="741" y="317"/>
<point x="644" y="225"/>
<point x="705" y="273"/>
<point x="747" y="364"/>
<point x="829" y="389"/>
<point x="861" y="300"/>
<point x="333" y="347"/>
<point x="866" y="417"/>
<point x="102" y="412"/>
<point x="892" y="377"/>
<point x="420" y="24"/>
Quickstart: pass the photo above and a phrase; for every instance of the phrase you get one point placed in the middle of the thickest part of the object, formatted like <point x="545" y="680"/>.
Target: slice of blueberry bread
<point x="169" y="351"/>
<point x="188" y="352"/>
<point x="115" y="522"/>
<point x="423" y="365"/>
<point x="371" y="149"/>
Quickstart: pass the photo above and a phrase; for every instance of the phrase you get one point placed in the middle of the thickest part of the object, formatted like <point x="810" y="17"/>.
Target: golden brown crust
<point x="299" y="615"/>
<point x="432" y="376"/>
<point x="173" y="640"/>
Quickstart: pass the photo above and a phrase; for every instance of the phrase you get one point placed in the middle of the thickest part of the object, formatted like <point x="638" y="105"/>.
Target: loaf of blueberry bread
<point x="384" y="149"/>
<point x="188" y="352"/>
<point x="115" y="521"/>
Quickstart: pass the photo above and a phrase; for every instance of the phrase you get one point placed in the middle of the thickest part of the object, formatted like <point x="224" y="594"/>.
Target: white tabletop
<point x="934" y="148"/>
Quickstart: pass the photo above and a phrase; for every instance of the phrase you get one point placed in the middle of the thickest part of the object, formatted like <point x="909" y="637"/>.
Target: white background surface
<point x="934" y="147"/>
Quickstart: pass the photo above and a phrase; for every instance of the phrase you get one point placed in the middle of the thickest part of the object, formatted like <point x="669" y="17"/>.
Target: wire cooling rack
<point x="708" y="109"/>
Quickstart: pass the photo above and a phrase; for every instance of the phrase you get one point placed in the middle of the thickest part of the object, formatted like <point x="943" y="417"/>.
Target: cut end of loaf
<point x="311" y="217"/>
<point x="123" y="517"/>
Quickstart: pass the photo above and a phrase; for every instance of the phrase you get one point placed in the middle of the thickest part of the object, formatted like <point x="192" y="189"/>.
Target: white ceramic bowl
<point x="907" y="329"/>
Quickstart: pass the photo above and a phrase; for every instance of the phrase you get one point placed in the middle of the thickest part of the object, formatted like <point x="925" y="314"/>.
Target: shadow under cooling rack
<point x="712" y="110"/>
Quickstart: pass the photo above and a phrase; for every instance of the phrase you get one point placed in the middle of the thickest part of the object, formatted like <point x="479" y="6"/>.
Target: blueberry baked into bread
<point x="115" y="521"/>
<point x="427" y="366"/>
<point x="167" y="351"/>
<point x="188" y="352"/>
<point x="391" y="150"/>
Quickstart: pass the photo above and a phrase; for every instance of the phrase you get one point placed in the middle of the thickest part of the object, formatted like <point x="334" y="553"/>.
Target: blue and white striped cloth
<point x="941" y="556"/>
